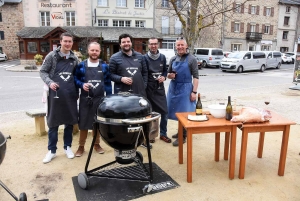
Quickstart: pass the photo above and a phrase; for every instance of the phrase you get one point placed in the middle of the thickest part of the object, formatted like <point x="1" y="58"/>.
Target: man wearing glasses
<point x="157" y="73"/>
<point x="92" y="77"/>
<point x="183" y="72"/>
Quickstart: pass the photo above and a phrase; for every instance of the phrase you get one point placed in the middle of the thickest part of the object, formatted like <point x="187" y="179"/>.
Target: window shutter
<point x="272" y="12"/>
<point x="271" y="30"/>
<point x="1" y="35"/>
<point x="263" y="29"/>
<point x="232" y="26"/>
<point x="242" y="9"/>
<point x="242" y="27"/>
<point x="257" y="28"/>
<point x="257" y="10"/>
<point x="265" y="11"/>
<point x="249" y="10"/>
<point x="0" y="17"/>
<point x="234" y="7"/>
<point x="248" y="27"/>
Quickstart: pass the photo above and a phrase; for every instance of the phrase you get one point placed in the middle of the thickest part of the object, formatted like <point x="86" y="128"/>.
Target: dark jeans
<point x="163" y="124"/>
<point x="53" y="137"/>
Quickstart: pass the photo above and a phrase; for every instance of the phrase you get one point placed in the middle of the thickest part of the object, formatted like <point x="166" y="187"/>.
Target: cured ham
<point x="252" y="114"/>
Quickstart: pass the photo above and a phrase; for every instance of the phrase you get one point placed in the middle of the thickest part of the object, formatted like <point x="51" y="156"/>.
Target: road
<point x="20" y="91"/>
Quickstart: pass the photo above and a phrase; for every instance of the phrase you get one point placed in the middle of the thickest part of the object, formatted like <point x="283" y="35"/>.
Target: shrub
<point x="38" y="58"/>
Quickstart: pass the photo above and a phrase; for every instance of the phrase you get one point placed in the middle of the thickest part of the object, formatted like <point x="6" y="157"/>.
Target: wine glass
<point x="173" y="71"/>
<point x="90" y="87"/>
<point x="158" y="82"/>
<point x="56" y="89"/>
<point x="130" y="90"/>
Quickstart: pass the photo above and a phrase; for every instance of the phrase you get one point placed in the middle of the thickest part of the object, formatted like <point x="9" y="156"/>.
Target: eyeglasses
<point x="180" y="38"/>
<point x="153" y="44"/>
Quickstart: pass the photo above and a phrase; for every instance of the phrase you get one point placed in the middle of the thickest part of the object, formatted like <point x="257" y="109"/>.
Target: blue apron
<point x="178" y="98"/>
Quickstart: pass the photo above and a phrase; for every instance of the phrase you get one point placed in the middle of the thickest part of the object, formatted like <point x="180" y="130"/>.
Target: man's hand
<point x="86" y="86"/>
<point x="192" y="97"/>
<point x="53" y="86"/>
<point x="161" y="79"/>
<point x="127" y="80"/>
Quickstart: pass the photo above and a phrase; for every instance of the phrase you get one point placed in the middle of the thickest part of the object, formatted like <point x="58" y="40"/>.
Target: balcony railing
<point x="165" y="30"/>
<point x="177" y="31"/>
<point x="253" y="36"/>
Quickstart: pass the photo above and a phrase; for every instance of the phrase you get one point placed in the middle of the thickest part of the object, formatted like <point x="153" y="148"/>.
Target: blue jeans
<point x="163" y="124"/>
<point x="53" y="137"/>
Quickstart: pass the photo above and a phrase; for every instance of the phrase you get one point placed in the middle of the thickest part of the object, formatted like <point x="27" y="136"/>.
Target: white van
<point x="169" y="53"/>
<point x="274" y="59"/>
<point x="209" y="56"/>
<point x="244" y="61"/>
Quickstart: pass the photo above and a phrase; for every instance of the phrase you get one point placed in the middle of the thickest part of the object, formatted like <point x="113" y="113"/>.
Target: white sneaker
<point x="49" y="156"/>
<point x="69" y="152"/>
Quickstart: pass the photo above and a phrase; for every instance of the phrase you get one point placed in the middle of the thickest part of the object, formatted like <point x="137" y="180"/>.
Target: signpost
<point x="296" y="74"/>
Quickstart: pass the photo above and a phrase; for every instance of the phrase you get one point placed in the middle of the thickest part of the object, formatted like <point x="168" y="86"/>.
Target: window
<point x="1" y="50"/>
<point x="21" y="47"/>
<point x="236" y="27"/>
<point x="235" y="47"/>
<point x="0" y="17"/>
<point x="285" y="35"/>
<point x="32" y="47"/>
<point x="284" y="49"/>
<point x="178" y="4"/>
<point x="102" y="2"/>
<point x="286" y="21"/>
<point x="45" y="19"/>
<point x="165" y="3"/>
<point x="140" y="23"/>
<point x="259" y="55"/>
<point x="267" y="29"/>
<point x="70" y="18"/>
<point x="202" y="51"/>
<point x="288" y="9"/>
<point x="139" y="4"/>
<point x="247" y="55"/>
<point x="45" y="46"/>
<point x="103" y="23"/>
<point x="178" y="26"/>
<point x="238" y="8"/>
<point x="1" y="35"/>
<point x="121" y="23"/>
<point x="253" y="28"/>
<point x="217" y="52"/>
<point x="268" y="11"/>
<point x="253" y="9"/>
<point x="168" y="44"/>
<point x="121" y="3"/>
<point x="165" y="25"/>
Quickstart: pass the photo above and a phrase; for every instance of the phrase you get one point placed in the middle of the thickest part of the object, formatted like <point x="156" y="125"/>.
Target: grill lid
<point x="124" y="106"/>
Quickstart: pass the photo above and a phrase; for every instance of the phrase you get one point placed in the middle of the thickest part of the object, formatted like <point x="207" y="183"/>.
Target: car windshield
<point x="236" y="55"/>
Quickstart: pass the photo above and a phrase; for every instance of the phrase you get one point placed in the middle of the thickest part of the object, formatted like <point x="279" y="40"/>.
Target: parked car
<point x="209" y="56"/>
<point x="199" y="62"/>
<point x="293" y="55"/>
<point x="286" y="58"/>
<point x="226" y="53"/>
<point x="273" y="59"/>
<point x="3" y="56"/>
<point x="244" y="61"/>
<point x="169" y="53"/>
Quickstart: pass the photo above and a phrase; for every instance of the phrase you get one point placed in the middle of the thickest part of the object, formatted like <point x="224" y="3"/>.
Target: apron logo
<point x="156" y="75"/>
<point x="132" y="73"/>
<point x="135" y="59"/>
<point x="65" y="79"/>
<point x="99" y="71"/>
<point x="94" y="86"/>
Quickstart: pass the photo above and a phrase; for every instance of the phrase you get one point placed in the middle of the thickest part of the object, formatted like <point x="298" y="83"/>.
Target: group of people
<point x="128" y="69"/>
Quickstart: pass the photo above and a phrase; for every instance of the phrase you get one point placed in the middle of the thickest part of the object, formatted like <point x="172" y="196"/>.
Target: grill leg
<point x="150" y="159"/>
<point x="95" y="129"/>
<point x="11" y="193"/>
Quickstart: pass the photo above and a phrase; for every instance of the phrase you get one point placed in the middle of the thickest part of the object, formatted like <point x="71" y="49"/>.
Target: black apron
<point x="131" y="67"/>
<point x="88" y="106"/>
<point x="156" y="96"/>
<point x="63" y="110"/>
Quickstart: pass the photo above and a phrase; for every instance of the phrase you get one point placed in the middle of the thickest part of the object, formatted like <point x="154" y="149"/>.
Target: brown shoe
<point x="80" y="151"/>
<point x="99" y="149"/>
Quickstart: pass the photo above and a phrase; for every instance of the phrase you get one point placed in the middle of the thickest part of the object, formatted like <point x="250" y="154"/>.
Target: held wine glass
<point x="130" y="90"/>
<point x="90" y="87"/>
<point x="56" y="89"/>
<point x="158" y="82"/>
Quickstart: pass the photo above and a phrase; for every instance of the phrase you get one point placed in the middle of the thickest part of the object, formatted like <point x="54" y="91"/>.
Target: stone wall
<point x="27" y="62"/>
<point x="12" y="22"/>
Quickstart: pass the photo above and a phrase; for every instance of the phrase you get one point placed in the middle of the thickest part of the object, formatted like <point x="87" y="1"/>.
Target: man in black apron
<point x="57" y="72"/>
<point x="92" y="77"/>
<point x="157" y="73"/>
<point x="128" y="68"/>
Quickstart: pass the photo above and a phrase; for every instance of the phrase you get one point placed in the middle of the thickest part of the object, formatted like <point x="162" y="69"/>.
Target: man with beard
<point x="128" y="69"/>
<point x="57" y="72"/>
<point x="183" y="71"/>
<point x="157" y="73"/>
<point x="92" y="77"/>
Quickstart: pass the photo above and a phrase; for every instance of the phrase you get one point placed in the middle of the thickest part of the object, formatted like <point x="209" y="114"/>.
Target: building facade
<point x="11" y="21"/>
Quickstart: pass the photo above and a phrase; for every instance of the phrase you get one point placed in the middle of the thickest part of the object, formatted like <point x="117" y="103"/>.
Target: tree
<point x="196" y="15"/>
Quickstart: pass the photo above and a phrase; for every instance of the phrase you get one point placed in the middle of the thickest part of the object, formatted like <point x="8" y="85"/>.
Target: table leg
<point x="217" y="146"/>
<point x="189" y="155"/>
<point x="232" y="152"/>
<point x="283" y="151"/>
<point x="261" y="144"/>
<point x="243" y="153"/>
<point x="226" y="145"/>
<point x="180" y="142"/>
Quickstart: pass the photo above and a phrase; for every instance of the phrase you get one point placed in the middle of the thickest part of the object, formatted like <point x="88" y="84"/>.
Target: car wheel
<point x="5" y="58"/>
<point x="262" y="68"/>
<point x="282" y="62"/>
<point x="278" y="66"/>
<point x="204" y="64"/>
<point x="293" y="61"/>
<point x="240" y="69"/>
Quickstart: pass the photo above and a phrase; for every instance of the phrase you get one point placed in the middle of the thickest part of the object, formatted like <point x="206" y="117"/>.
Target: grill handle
<point x="154" y="116"/>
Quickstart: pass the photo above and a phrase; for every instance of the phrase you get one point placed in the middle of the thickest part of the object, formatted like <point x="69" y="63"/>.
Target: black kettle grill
<point x="124" y="121"/>
<point x="3" y="140"/>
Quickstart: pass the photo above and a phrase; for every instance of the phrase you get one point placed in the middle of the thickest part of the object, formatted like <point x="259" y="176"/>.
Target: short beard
<point x="95" y="59"/>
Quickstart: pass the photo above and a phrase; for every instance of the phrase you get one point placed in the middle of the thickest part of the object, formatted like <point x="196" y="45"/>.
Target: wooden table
<point x="213" y="125"/>
<point x="276" y="123"/>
